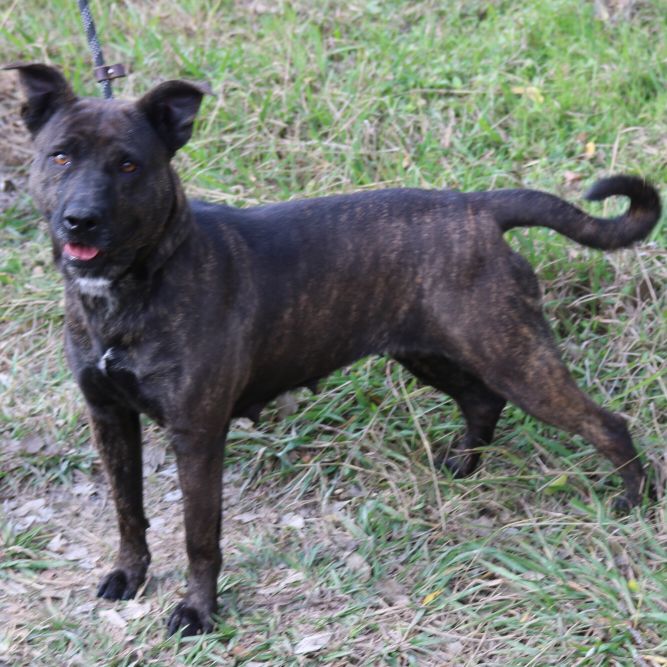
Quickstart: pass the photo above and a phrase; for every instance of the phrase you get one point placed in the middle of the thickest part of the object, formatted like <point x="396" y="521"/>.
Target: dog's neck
<point x="176" y="230"/>
<point x="101" y="299"/>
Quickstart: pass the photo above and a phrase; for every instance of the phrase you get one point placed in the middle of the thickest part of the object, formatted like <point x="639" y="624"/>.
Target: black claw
<point x="129" y="593"/>
<point x="116" y="586"/>
<point x="460" y="465"/>
<point x="652" y="493"/>
<point x="188" y="621"/>
<point x="621" y="505"/>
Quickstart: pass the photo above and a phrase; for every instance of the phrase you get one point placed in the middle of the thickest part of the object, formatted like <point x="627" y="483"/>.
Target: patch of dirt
<point x="79" y="540"/>
<point x="615" y="10"/>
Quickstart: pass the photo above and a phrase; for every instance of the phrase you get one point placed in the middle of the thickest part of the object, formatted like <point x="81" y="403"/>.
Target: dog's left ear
<point x="46" y="90"/>
<point x="171" y="108"/>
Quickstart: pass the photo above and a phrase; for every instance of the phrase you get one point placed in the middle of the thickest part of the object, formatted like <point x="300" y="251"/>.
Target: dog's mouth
<point x="83" y="253"/>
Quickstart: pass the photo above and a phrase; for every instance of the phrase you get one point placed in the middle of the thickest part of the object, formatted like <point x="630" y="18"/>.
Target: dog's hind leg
<point x="527" y="370"/>
<point x="480" y="407"/>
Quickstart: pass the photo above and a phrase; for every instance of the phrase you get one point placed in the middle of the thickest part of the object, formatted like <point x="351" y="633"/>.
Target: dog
<point x="194" y="313"/>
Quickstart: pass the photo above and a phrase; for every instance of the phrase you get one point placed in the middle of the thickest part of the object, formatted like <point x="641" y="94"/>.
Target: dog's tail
<point x="531" y="208"/>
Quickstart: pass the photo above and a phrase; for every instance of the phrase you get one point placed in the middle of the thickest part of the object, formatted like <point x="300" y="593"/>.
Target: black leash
<point x="103" y="73"/>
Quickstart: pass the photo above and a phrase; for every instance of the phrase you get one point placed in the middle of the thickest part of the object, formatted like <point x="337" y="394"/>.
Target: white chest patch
<point x="102" y="363"/>
<point x="94" y="286"/>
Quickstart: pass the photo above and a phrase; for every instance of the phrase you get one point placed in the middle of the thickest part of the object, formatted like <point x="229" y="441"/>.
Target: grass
<point x="334" y="520"/>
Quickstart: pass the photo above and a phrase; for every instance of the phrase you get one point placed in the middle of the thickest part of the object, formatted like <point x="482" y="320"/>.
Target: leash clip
<point x="108" y="72"/>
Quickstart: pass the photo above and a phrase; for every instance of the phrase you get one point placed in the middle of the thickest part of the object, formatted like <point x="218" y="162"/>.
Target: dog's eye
<point x="128" y="167"/>
<point x="61" y="159"/>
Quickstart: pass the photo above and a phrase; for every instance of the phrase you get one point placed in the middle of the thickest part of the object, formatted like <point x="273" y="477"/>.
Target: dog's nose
<point x="81" y="222"/>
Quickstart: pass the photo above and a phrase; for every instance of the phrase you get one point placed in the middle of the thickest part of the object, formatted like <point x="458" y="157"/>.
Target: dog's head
<point x="101" y="173"/>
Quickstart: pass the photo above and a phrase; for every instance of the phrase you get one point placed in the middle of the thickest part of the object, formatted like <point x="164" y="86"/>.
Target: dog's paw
<point x="189" y="621"/>
<point x="460" y="464"/>
<point x="622" y="505"/>
<point x="118" y="585"/>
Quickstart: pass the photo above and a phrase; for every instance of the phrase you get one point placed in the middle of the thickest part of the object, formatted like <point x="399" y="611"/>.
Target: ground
<point x="342" y="545"/>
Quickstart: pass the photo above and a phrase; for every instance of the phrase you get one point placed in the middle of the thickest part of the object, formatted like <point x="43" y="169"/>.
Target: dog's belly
<point x="303" y="360"/>
<point x="266" y="386"/>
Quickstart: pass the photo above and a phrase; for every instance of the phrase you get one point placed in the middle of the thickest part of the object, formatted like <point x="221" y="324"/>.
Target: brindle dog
<point x="194" y="313"/>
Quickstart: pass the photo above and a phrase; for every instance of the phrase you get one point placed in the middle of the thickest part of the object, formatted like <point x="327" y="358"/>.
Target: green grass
<point x="520" y="564"/>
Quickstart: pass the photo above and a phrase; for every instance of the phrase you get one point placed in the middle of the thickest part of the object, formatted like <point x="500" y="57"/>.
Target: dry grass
<point x="334" y="520"/>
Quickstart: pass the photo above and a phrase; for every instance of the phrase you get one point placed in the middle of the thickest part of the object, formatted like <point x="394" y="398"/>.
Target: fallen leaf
<point x="589" y="150"/>
<point x="431" y="596"/>
<point x="531" y="92"/>
<point x="112" y="617"/>
<point x="313" y="643"/>
<point x="31" y="444"/>
<point x="293" y="520"/>
<point x="84" y="608"/>
<point x="483" y="520"/>
<point x="9" y="445"/>
<point x="56" y="543"/>
<point x="287" y="405"/>
<point x="393" y="593"/>
<point x="246" y="517"/>
<point x="454" y="648"/>
<point x="294" y="577"/>
<point x="83" y="489"/>
<point x="558" y="483"/>
<point x="602" y="11"/>
<point x="357" y="564"/>
<point x="30" y="506"/>
<point x="13" y="588"/>
<point x="134" y="610"/>
<point x="76" y="553"/>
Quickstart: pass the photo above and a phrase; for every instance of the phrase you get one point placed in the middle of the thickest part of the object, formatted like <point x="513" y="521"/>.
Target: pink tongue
<point x="77" y="251"/>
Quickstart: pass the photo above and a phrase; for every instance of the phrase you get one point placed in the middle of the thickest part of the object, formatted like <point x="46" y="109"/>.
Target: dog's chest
<point x="124" y="355"/>
<point x="115" y="375"/>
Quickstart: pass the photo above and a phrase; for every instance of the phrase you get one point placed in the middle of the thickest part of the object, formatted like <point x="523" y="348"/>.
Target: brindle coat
<point x="193" y="313"/>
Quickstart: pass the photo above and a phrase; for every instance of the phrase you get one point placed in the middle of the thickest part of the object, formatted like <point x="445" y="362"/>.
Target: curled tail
<point x="531" y="208"/>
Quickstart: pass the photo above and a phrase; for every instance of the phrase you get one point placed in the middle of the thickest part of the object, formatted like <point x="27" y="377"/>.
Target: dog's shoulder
<point x="208" y="213"/>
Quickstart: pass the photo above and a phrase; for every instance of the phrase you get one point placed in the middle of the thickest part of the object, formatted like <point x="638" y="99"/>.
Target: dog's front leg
<point x="117" y="435"/>
<point x="199" y="464"/>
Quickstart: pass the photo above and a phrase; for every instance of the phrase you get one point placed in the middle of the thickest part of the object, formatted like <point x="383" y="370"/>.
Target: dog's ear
<point x="171" y="108"/>
<point x="46" y="90"/>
